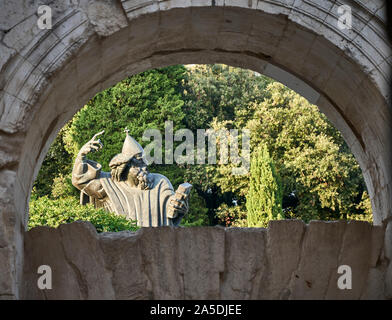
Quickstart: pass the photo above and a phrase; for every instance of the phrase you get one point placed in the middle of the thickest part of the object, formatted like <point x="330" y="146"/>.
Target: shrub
<point x="197" y="214"/>
<point x="52" y="213"/>
<point x="231" y="216"/>
<point x="62" y="187"/>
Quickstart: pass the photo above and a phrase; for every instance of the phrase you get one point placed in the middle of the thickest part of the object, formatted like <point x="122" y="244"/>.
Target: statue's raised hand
<point x="178" y="208"/>
<point x="93" y="145"/>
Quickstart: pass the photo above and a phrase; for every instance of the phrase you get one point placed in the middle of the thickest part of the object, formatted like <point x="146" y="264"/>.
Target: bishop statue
<point x="129" y="189"/>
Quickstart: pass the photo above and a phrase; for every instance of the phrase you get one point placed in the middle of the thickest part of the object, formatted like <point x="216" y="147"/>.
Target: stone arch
<point x="47" y="75"/>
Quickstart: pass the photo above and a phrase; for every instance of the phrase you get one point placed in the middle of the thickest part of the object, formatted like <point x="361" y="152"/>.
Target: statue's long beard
<point x="141" y="177"/>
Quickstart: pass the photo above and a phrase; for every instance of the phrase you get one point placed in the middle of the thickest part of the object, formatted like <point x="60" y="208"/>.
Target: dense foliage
<point x="58" y="162"/>
<point x="144" y="101"/>
<point x="319" y="177"/>
<point x="52" y="213"/>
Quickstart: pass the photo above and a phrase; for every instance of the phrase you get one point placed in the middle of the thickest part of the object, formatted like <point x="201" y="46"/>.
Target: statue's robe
<point x="148" y="207"/>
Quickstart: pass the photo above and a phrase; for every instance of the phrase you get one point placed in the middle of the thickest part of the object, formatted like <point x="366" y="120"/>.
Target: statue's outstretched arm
<point x="92" y="145"/>
<point x="85" y="171"/>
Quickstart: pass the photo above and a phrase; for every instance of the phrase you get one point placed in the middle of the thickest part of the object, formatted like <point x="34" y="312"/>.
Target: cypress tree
<point x="264" y="199"/>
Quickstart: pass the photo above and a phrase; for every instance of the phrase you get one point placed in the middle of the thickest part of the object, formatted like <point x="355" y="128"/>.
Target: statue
<point x="129" y="189"/>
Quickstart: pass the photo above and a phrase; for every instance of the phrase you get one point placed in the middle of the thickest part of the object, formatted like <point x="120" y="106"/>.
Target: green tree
<point x="264" y="199"/>
<point x="143" y="101"/>
<point x="318" y="170"/>
<point x="218" y="94"/>
<point x="320" y="177"/>
<point x="58" y="162"/>
<point x="220" y="91"/>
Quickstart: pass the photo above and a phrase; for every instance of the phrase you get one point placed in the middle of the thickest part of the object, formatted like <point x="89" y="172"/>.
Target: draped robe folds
<point x="149" y="207"/>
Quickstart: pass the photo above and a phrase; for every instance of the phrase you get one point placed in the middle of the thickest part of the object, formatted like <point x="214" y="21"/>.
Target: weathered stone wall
<point x="289" y="260"/>
<point x="47" y="75"/>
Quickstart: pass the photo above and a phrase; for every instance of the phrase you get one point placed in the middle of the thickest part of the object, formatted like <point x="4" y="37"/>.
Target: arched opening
<point x="306" y="152"/>
<point x="52" y="77"/>
<point x="136" y="52"/>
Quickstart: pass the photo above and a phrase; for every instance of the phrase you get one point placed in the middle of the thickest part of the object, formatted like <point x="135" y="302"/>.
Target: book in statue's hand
<point x="181" y="195"/>
<point x="183" y="191"/>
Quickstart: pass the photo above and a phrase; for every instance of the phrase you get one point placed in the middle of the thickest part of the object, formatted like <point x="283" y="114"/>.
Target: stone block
<point x="374" y="289"/>
<point x="381" y="75"/>
<point x="377" y="243"/>
<point x="43" y="51"/>
<point x="22" y="207"/>
<point x="381" y="13"/>
<point x="218" y="263"/>
<point x="355" y="252"/>
<point x="205" y="21"/>
<point x="372" y="5"/>
<point x="320" y="62"/>
<point x="266" y="33"/>
<point x="84" y="254"/>
<point x="115" y="60"/>
<point x="88" y="68"/>
<point x="337" y="120"/>
<point x="382" y="204"/>
<point x="319" y="257"/>
<point x="22" y="34"/>
<point x="106" y="16"/>
<point x="358" y="21"/>
<point x="6" y="182"/>
<point x="201" y="270"/>
<point x="137" y="8"/>
<point x="43" y="246"/>
<point x="294" y="48"/>
<point x="171" y="4"/>
<point x="123" y="259"/>
<point x="7" y="280"/>
<point x="17" y="10"/>
<point x="143" y="31"/>
<point x="207" y="3"/>
<point x="375" y="36"/>
<point x="6" y="54"/>
<point x="170" y="38"/>
<point x="245" y="263"/>
<point x="388" y="242"/>
<point x="276" y="7"/>
<point x="74" y="31"/>
<point x="14" y="113"/>
<point x="388" y="282"/>
<point x="285" y="239"/>
<point x="366" y="54"/>
<point x="343" y="84"/>
<point x="307" y="14"/>
<point x="160" y="262"/>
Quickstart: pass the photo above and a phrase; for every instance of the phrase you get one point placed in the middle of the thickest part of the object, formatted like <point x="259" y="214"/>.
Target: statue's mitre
<point x="131" y="147"/>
